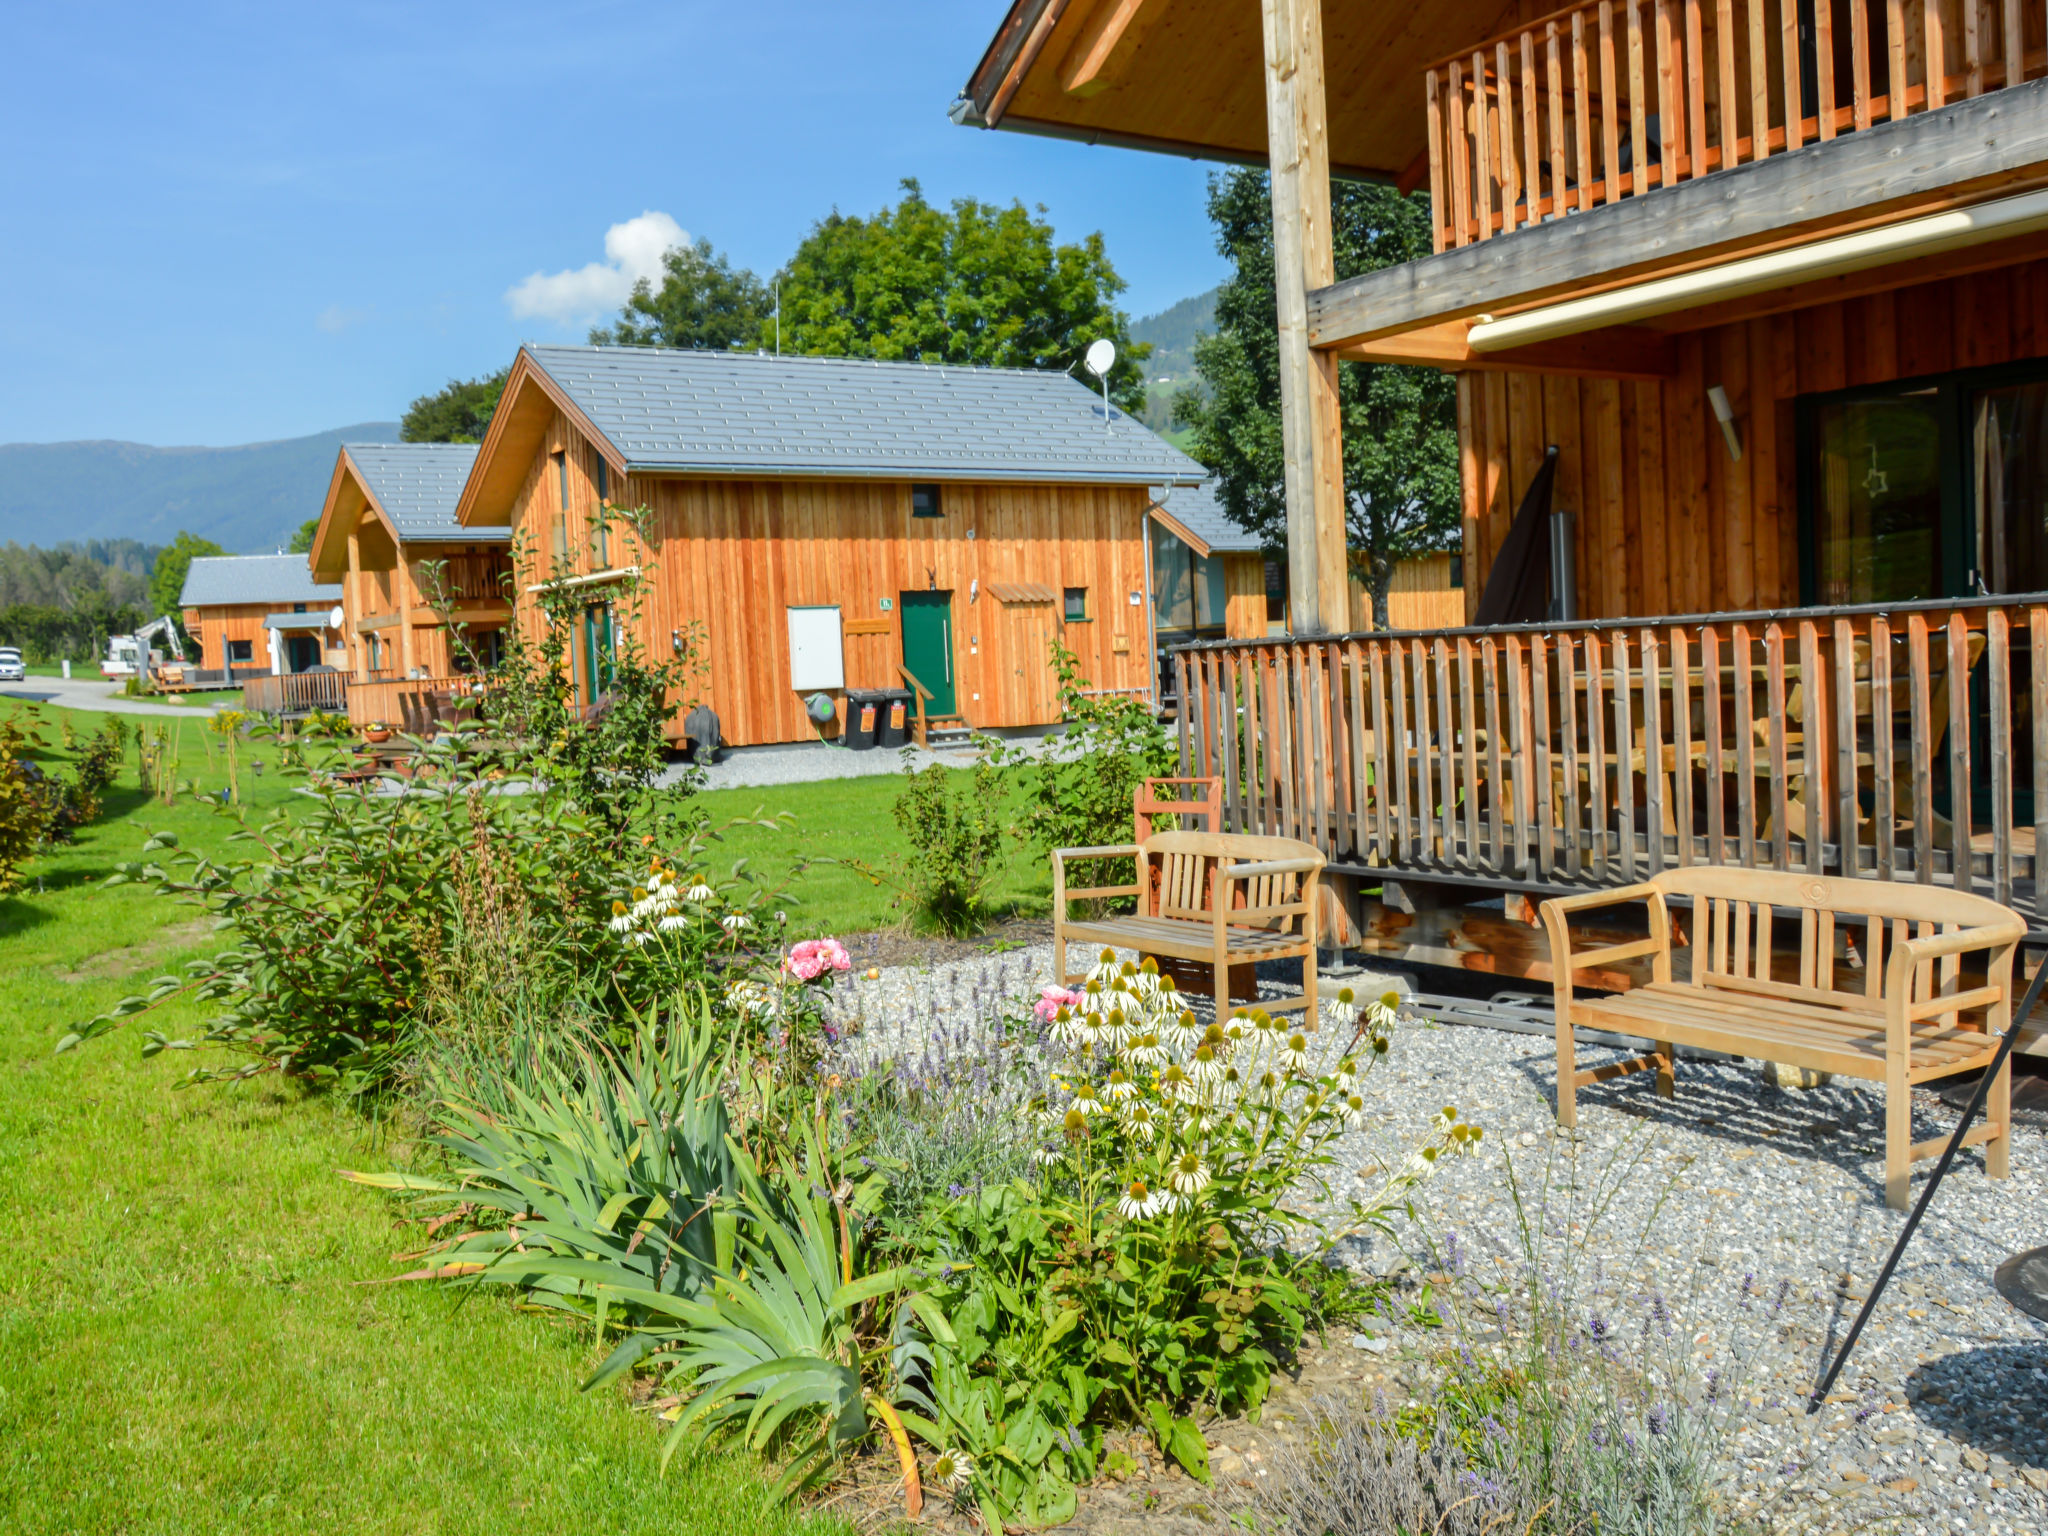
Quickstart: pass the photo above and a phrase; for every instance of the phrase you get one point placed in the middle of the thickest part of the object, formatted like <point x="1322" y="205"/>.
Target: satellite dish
<point x="335" y="616"/>
<point x="1101" y="357"/>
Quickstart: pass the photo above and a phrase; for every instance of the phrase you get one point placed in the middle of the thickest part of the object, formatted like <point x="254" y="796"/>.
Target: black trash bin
<point x="895" y="718"/>
<point x="865" y="708"/>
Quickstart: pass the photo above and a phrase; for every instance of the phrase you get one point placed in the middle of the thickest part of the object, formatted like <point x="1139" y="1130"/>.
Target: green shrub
<point x="956" y="845"/>
<point x="25" y="803"/>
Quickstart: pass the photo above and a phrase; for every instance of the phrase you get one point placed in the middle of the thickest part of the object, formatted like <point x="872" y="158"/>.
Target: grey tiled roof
<point x="419" y="484"/>
<point x="746" y="413"/>
<point x="218" y="579"/>
<point x="1196" y="508"/>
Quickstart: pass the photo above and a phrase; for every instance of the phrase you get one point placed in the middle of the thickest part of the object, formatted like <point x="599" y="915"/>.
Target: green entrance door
<point x="928" y="646"/>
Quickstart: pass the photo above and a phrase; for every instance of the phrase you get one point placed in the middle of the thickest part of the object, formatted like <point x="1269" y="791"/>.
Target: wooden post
<point x="402" y="586"/>
<point x="354" y="593"/>
<point x="1303" y="260"/>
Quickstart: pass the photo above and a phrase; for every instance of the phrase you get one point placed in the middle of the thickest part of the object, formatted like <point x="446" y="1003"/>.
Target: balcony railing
<point x="296" y="693"/>
<point x="1605" y="100"/>
<point x="1908" y="743"/>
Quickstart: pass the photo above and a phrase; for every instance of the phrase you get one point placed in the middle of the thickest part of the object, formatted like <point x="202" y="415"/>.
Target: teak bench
<point x="1218" y="897"/>
<point x="1890" y="1003"/>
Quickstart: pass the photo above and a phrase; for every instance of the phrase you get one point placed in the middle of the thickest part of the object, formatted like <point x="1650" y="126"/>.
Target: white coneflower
<point x="1138" y="1119"/>
<point x="1138" y="1201"/>
<point x="1205" y="1066"/>
<point x="1181" y="1030"/>
<point x="673" y="921"/>
<point x="1188" y="1174"/>
<point x="1175" y="1082"/>
<point x="1345" y="1009"/>
<point x="700" y="893"/>
<point x="1144" y="1050"/>
<point x="1104" y="967"/>
<point x="1119" y="1087"/>
<point x="622" y="919"/>
<point x="1294" y="1052"/>
<point x="1049" y="1157"/>
<point x="735" y="922"/>
<point x="1354" y="1111"/>
<point x="1086" y="1101"/>
<point x="953" y="1469"/>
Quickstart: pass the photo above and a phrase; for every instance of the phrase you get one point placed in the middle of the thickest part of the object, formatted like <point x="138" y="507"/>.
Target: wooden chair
<point x="1907" y="1019"/>
<point x="1222" y="898"/>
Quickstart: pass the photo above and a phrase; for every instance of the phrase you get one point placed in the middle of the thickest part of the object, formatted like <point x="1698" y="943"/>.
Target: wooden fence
<point x="1609" y="98"/>
<point x="1900" y="743"/>
<point x="296" y="693"/>
<point x="412" y="704"/>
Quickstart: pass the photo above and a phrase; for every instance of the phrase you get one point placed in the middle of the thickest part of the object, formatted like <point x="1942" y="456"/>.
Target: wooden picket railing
<point x="296" y="693"/>
<point x="1899" y="743"/>
<point x="1610" y="98"/>
<point x="416" y="705"/>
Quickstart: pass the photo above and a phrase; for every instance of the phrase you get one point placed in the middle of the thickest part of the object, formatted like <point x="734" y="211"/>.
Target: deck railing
<point x="1901" y="743"/>
<point x="416" y="705"/>
<point x="296" y="693"/>
<point x="1607" y="99"/>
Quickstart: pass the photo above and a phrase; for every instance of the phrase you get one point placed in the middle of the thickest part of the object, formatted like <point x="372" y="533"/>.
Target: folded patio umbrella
<point x="1518" y="586"/>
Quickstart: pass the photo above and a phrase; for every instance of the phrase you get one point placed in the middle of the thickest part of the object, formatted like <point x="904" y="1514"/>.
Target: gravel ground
<point x="1940" y="1422"/>
<point x="808" y="762"/>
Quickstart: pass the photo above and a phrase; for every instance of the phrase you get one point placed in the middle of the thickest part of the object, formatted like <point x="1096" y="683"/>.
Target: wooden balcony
<point x="1903" y="743"/>
<point x="1608" y="99"/>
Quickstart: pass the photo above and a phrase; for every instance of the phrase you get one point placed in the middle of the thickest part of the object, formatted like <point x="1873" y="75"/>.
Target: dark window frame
<point x="1072" y="598"/>
<point x="1959" y="510"/>
<point x="927" y="499"/>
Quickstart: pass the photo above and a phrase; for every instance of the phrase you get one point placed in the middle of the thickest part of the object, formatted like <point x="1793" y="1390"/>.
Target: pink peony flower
<point x="813" y="957"/>
<point x="1051" y="1000"/>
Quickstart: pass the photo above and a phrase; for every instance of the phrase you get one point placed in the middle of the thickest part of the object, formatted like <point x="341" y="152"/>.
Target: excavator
<point x="128" y="655"/>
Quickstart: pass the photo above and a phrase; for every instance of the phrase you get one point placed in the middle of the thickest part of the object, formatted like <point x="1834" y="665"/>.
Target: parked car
<point x="11" y="668"/>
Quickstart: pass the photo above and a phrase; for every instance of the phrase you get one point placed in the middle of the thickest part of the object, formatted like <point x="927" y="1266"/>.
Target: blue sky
<point x="232" y="223"/>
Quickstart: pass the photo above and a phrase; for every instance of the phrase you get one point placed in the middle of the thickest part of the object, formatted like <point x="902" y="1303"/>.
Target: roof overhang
<point x="1187" y="77"/>
<point x="518" y="427"/>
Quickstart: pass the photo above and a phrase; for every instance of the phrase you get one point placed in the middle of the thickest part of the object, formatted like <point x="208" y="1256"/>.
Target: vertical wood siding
<point x="731" y="556"/>
<point x="1667" y="524"/>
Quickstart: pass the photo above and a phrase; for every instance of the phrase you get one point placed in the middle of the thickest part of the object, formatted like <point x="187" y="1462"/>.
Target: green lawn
<point x="187" y="1343"/>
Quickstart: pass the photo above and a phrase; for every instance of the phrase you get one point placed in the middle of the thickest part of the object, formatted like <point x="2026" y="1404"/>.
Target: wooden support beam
<point x="1304" y="259"/>
<point x="1616" y="352"/>
<point x="1107" y="42"/>
<point x="357" y="649"/>
<point x="1965" y="152"/>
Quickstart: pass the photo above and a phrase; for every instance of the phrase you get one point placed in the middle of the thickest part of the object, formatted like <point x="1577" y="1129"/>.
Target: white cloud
<point x="334" y="319"/>
<point x="632" y="250"/>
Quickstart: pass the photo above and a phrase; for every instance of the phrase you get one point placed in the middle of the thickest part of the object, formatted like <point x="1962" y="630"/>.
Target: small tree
<point x="458" y="412"/>
<point x="167" y="577"/>
<point x="703" y="302"/>
<point x="1400" y="423"/>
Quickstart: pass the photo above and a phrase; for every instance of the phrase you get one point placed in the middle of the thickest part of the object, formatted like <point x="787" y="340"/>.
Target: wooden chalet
<point x="1747" y="302"/>
<point x="821" y="525"/>
<point x="255" y="616"/>
<point x="407" y="571"/>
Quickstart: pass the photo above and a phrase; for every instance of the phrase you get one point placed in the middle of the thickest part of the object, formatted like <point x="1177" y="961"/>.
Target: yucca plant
<point x="593" y="1177"/>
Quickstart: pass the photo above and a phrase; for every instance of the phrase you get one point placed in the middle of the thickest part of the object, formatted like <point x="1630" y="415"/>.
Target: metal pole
<point x="1948" y="1155"/>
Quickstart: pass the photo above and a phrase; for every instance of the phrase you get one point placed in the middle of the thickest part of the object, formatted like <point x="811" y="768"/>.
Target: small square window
<point x="240" y="650"/>
<point x="1077" y="604"/>
<point x="298" y="607"/>
<point x="924" y="501"/>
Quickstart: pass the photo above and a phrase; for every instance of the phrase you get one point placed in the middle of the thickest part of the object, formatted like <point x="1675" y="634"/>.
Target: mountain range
<point x="250" y="499"/>
<point x="1171" y="367"/>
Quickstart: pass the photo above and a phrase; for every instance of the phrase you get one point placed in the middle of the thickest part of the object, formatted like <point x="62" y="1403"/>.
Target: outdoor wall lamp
<point x="1724" y="413"/>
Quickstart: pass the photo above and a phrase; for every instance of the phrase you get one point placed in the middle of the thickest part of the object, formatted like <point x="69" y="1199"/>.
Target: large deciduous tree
<point x="981" y="284"/>
<point x="704" y="301"/>
<point x="459" y="412"/>
<point x="1400" y="424"/>
<point x="167" y="580"/>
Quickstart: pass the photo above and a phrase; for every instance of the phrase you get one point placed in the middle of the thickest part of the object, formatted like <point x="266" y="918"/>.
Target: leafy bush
<point x="77" y="800"/>
<point x="1080" y="792"/>
<point x="956" y="845"/>
<point x="25" y="804"/>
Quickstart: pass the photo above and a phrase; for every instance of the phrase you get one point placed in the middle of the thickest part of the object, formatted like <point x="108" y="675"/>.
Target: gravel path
<point x="1942" y="1422"/>
<point x="92" y="693"/>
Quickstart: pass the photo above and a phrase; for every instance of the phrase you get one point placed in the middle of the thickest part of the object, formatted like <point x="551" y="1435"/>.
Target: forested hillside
<point x="65" y="601"/>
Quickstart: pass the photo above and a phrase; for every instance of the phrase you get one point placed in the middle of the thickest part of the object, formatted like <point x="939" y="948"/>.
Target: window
<point x="1187" y="589"/>
<point x="1877" y="464"/>
<point x="241" y="651"/>
<point x="604" y="479"/>
<point x="1457" y="572"/>
<point x="561" y="481"/>
<point x="1276" y="595"/>
<point x="924" y="501"/>
<point x="298" y="607"/>
<point x="1077" y="605"/>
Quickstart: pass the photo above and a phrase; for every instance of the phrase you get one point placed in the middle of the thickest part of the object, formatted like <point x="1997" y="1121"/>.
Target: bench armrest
<point x="1119" y="851"/>
<point x="1960" y="942"/>
<point x="1556" y="914"/>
